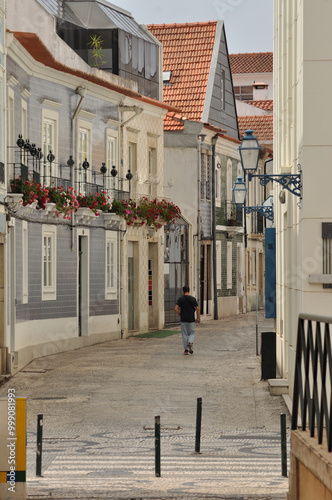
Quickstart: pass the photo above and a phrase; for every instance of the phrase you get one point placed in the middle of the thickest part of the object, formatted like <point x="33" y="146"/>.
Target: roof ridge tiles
<point x="250" y="53"/>
<point x="197" y="23"/>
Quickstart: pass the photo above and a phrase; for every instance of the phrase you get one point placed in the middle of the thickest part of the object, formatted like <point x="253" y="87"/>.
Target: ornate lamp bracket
<point x="291" y="182"/>
<point x="265" y="211"/>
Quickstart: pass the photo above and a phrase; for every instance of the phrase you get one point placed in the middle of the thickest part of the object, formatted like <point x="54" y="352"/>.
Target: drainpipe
<point x="214" y="243"/>
<point x="81" y="91"/>
<point x="200" y="141"/>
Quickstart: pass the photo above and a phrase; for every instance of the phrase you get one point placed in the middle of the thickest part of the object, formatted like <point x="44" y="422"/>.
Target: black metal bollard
<point x="157" y="445"/>
<point x="198" y="425"/>
<point x="39" y="444"/>
<point x="283" y="444"/>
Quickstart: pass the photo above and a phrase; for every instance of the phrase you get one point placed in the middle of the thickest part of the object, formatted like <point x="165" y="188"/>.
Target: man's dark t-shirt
<point x="187" y="304"/>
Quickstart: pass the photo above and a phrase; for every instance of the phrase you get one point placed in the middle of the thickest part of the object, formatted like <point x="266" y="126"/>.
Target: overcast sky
<point x="249" y="23"/>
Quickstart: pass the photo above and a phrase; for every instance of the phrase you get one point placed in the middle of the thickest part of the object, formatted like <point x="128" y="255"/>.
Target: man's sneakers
<point x="189" y="350"/>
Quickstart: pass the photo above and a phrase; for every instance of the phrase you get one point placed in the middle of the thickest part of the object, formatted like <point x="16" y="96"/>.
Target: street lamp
<point x="239" y="191"/>
<point x="249" y="151"/>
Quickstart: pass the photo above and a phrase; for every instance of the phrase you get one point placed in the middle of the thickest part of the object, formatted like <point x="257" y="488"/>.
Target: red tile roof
<point x="35" y="47"/>
<point x="266" y="104"/>
<point x="262" y="125"/>
<point x="187" y="52"/>
<point x="256" y="62"/>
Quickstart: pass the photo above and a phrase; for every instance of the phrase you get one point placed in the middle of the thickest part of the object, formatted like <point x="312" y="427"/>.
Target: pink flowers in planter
<point x="153" y="213"/>
<point x="65" y="201"/>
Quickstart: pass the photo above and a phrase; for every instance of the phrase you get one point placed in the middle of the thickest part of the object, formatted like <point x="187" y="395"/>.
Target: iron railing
<point x="233" y="214"/>
<point x="28" y="162"/>
<point x="313" y="377"/>
<point x="63" y="180"/>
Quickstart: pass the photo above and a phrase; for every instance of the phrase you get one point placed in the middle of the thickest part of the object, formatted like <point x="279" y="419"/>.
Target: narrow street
<point x="99" y="404"/>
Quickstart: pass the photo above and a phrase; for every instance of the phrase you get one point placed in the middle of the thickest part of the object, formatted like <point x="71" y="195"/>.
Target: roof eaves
<point x="40" y="53"/>
<point x="219" y="130"/>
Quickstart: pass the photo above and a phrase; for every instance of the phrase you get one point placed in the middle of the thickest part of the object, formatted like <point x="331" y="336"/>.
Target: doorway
<point x="131" y="286"/>
<point x="206" y="278"/>
<point x="83" y="285"/>
<point x="175" y="267"/>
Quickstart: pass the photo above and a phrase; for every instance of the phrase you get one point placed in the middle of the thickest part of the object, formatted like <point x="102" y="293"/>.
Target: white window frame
<point x="132" y="165"/>
<point x="218" y="185"/>
<point x="83" y="127"/>
<point x="2" y="32"/>
<point x="24" y="119"/>
<point x="10" y="127"/>
<point x="111" y="265"/>
<point x="2" y="118"/>
<point x="229" y="170"/>
<point x="25" y="262"/>
<point x="50" y="118"/>
<point x="49" y="289"/>
<point x="248" y="270"/>
<point x="218" y="258"/>
<point x="229" y="265"/>
<point x="152" y="173"/>
<point x="111" y="157"/>
<point x="254" y="267"/>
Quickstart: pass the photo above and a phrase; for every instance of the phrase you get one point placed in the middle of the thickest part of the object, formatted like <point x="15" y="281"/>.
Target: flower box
<point x="49" y="211"/>
<point x="14" y="201"/>
<point x="111" y="220"/>
<point x="84" y="215"/>
<point x="26" y="210"/>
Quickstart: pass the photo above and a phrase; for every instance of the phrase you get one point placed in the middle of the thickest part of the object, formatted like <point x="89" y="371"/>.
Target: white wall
<point x="244" y="109"/>
<point x="302" y="72"/>
<point x="250" y="78"/>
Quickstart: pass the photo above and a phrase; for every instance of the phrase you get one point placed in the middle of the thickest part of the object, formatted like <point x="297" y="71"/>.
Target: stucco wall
<point x="302" y="57"/>
<point x="310" y="468"/>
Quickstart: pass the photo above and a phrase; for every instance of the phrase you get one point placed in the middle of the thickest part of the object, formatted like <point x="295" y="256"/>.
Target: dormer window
<point x="167" y="77"/>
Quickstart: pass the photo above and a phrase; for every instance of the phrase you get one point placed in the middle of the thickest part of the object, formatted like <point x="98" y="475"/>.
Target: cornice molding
<point x="11" y="81"/>
<point x="86" y="114"/>
<point x="51" y="104"/>
<point x="25" y="93"/>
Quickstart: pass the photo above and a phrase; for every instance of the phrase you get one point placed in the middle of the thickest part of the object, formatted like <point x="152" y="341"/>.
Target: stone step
<point x="278" y="386"/>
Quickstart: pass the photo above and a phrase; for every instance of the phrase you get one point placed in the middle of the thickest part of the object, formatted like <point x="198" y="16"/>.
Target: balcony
<point x="232" y="214"/>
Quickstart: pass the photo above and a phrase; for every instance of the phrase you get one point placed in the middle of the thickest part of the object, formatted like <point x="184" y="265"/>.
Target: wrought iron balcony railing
<point x="233" y="214"/>
<point x="312" y="397"/>
<point x="98" y="183"/>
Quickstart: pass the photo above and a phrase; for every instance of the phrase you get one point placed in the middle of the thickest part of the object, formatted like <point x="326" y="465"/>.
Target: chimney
<point x="260" y="91"/>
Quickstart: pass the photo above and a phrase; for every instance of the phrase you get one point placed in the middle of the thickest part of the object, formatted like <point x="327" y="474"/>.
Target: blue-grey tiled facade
<point x="65" y="305"/>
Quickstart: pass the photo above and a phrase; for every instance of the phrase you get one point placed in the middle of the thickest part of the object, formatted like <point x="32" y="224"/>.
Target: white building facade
<point x="72" y="283"/>
<point x="302" y="69"/>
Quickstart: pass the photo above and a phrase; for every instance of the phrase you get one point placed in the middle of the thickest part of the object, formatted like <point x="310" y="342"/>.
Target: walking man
<point x="185" y="308"/>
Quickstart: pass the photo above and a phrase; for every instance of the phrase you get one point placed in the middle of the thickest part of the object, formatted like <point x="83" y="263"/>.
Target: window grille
<point x="327" y="250"/>
<point x="208" y="177"/>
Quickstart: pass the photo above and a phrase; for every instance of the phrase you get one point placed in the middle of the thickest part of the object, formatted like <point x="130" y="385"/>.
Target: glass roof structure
<point x="94" y="14"/>
<point x="127" y="49"/>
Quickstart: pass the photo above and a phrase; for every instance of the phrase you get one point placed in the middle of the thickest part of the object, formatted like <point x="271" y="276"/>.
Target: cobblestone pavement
<point x="99" y="405"/>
